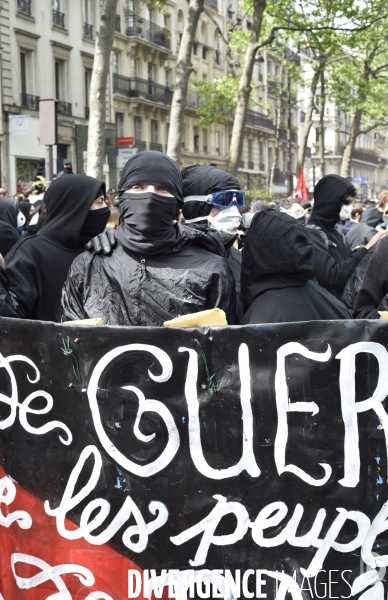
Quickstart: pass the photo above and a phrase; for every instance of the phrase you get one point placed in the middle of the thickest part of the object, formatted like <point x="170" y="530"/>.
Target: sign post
<point x="48" y="131"/>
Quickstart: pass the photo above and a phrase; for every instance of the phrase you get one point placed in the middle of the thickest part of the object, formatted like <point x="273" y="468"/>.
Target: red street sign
<point x="125" y="141"/>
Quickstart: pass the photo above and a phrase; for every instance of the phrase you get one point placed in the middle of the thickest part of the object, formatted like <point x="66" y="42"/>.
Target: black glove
<point x="103" y="242"/>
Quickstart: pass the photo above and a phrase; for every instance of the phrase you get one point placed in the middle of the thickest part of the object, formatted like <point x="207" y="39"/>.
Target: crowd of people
<point x="175" y="242"/>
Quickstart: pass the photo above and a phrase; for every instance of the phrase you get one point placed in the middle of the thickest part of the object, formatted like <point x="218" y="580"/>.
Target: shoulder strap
<point x="323" y="234"/>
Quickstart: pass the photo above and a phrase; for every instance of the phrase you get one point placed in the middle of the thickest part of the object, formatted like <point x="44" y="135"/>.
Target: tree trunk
<point x="322" y="127"/>
<point x="354" y="133"/>
<point x="182" y="75"/>
<point x="308" y="121"/>
<point x="244" y="89"/>
<point x="97" y="107"/>
<point x="278" y="112"/>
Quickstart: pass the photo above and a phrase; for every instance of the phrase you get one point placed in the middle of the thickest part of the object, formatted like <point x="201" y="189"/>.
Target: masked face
<point x="345" y="212"/>
<point x="226" y="222"/>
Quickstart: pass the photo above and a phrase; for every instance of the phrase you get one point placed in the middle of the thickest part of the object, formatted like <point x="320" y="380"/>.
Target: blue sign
<point x="357" y="179"/>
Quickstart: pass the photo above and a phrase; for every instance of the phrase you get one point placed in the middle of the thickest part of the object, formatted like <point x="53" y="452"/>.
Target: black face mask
<point x="148" y="222"/>
<point x="94" y="224"/>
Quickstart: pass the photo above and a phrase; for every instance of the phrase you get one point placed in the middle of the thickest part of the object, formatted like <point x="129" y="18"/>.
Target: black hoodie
<point x="277" y="266"/>
<point x="8" y="234"/>
<point x="334" y="262"/>
<point x="37" y="266"/>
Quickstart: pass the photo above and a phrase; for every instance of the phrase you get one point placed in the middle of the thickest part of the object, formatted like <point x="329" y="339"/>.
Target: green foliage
<point x="257" y="194"/>
<point x="217" y="99"/>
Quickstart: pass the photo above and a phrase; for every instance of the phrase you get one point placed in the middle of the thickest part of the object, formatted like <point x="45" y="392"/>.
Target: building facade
<point x="47" y="52"/>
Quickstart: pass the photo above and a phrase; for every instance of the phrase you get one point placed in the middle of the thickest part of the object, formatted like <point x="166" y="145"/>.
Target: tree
<point x="182" y="75"/>
<point x="103" y="47"/>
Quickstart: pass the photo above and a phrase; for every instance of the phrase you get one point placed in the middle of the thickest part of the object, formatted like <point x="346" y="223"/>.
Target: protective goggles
<point x="222" y="199"/>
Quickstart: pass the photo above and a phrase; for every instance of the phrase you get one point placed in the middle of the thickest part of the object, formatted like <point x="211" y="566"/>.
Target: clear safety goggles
<point x="222" y="199"/>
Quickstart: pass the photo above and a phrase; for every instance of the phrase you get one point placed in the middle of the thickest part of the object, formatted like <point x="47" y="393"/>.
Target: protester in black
<point x="374" y="286"/>
<point x="159" y="269"/>
<point x="277" y="267"/>
<point x="67" y="168"/>
<point x="8" y="219"/>
<point x="36" y="268"/>
<point x="334" y="262"/>
<point x="198" y="182"/>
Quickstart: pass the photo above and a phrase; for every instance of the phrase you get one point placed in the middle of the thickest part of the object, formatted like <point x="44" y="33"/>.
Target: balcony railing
<point x="64" y="108"/>
<point x="118" y="24"/>
<point x="24" y="6"/>
<point x="87" y="112"/>
<point x="362" y="155"/>
<point x="251" y="164"/>
<point x="157" y="147"/>
<point x="88" y="30"/>
<point x="29" y="101"/>
<point x="259" y="121"/>
<point x="141" y="28"/>
<point x="58" y="19"/>
<point x="134" y="87"/>
<point x="212" y="3"/>
<point x="140" y="145"/>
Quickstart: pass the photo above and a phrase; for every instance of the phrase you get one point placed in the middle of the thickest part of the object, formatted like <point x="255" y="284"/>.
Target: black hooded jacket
<point x="158" y="270"/>
<point x="277" y="266"/>
<point x="334" y="262"/>
<point x="37" y="266"/>
<point x="201" y="180"/>
<point x="8" y="221"/>
<point x="374" y="285"/>
<point x="372" y="217"/>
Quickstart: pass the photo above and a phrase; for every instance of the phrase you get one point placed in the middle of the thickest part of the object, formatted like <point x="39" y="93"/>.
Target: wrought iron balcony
<point x="118" y="24"/>
<point x="140" y="145"/>
<point x="29" y="101"/>
<point x="24" y="6"/>
<point x="88" y="30"/>
<point x="156" y="146"/>
<point x="58" y="19"/>
<point x="212" y="3"/>
<point x="256" y="120"/>
<point x="141" y="28"/>
<point x="64" y="108"/>
<point x="87" y="112"/>
<point x="134" y="87"/>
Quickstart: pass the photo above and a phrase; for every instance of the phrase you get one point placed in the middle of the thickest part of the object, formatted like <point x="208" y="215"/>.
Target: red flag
<point x="300" y="192"/>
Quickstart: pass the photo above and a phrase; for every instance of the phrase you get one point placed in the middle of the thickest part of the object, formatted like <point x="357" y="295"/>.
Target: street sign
<point x="19" y="124"/>
<point x="125" y="141"/>
<point x="357" y="179"/>
<point x="124" y="155"/>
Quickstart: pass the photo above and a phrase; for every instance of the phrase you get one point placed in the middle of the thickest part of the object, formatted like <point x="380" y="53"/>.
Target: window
<point x="116" y="62"/>
<point x="27" y="74"/>
<point x="154" y="132"/>
<point x="88" y="78"/>
<point x="250" y="150"/>
<point x="149" y="13"/>
<point x="151" y="72"/>
<point x="61" y="80"/>
<point x="167" y="77"/>
<point x="204" y="138"/>
<point x="138" y="129"/>
<point x="217" y="142"/>
<point x="166" y="21"/>
<point x="134" y="67"/>
<point x="86" y="11"/>
<point x="270" y="158"/>
<point x="261" y="156"/>
<point x="269" y="67"/>
<point x="57" y="5"/>
<point x="120" y="128"/>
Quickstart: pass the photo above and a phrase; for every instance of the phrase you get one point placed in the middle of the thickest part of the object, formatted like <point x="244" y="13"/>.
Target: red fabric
<point x="42" y="541"/>
<point x="300" y="191"/>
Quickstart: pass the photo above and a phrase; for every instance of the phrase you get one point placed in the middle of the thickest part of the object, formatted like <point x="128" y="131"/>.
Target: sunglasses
<point x="222" y="199"/>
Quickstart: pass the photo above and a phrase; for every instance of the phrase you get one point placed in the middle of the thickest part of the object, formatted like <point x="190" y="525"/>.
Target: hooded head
<point x="277" y="254"/>
<point x="257" y="205"/>
<point x="330" y="193"/>
<point x="9" y="211"/>
<point x="68" y="201"/>
<point x="201" y="180"/>
<point x="67" y="166"/>
<point x="149" y="216"/>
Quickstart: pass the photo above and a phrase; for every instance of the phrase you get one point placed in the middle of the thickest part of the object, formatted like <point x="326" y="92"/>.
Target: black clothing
<point x="374" y="285"/>
<point x="154" y="168"/>
<point x="65" y="171"/>
<point x="126" y="288"/>
<point x="330" y="194"/>
<point x="347" y="227"/>
<point x="94" y="224"/>
<point x="36" y="268"/>
<point x="334" y="262"/>
<point x="234" y="258"/>
<point x="148" y="223"/>
<point x="201" y="180"/>
<point x="8" y="220"/>
<point x="25" y="208"/>
<point x="360" y="235"/>
<point x="372" y="216"/>
<point x="277" y="264"/>
<point x="352" y="287"/>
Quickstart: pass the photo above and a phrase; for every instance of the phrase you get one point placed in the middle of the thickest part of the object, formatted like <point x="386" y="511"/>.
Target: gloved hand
<point x="103" y="243"/>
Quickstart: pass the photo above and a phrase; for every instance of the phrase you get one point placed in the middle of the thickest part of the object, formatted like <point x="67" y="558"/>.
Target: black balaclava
<point x="277" y="254"/>
<point x="148" y="226"/>
<point x="330" y="194"/>
<point x="9" y="211"/>
<point x="68" y="201"/>
<point x="201" y="180"/>
<point x="25" y="208"/>
<point x="66" y="161"/>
